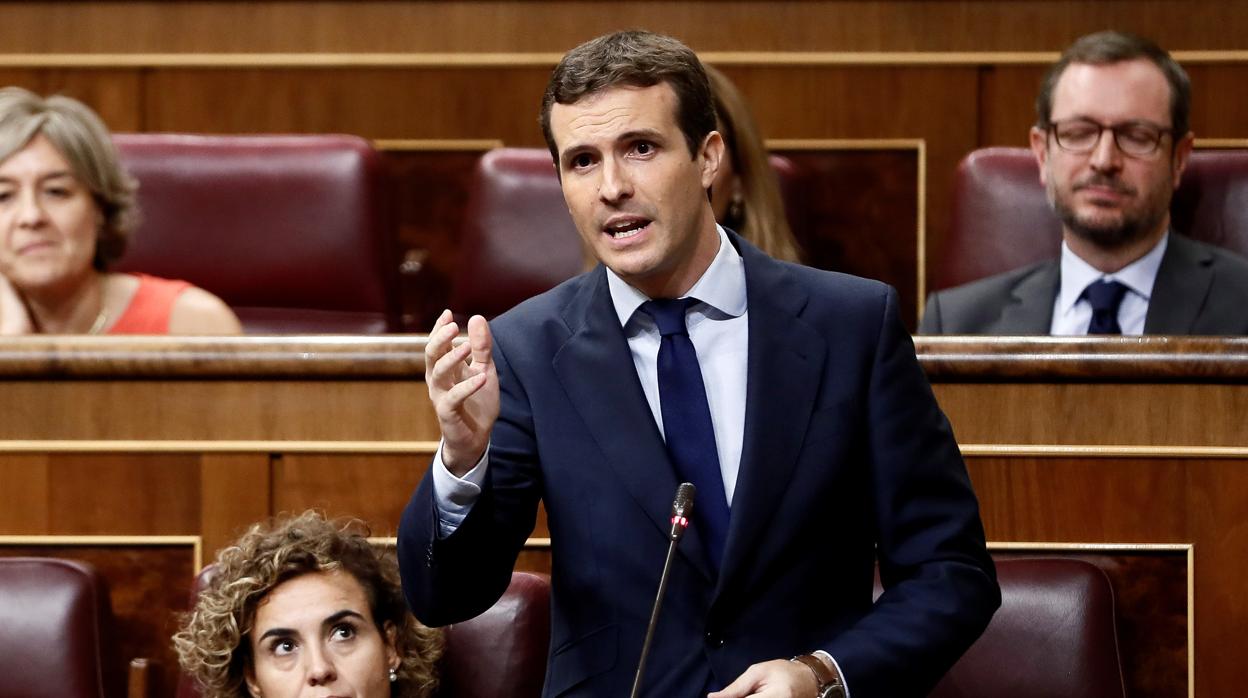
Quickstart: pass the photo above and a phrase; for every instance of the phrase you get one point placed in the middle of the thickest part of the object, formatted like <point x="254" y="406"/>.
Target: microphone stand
<point x="682" y="509"/>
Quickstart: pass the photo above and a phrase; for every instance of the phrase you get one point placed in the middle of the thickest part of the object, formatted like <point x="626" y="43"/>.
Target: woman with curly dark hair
<point x="303" y="605"/>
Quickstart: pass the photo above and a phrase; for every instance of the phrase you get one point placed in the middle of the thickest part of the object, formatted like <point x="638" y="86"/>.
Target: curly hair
<point x="213" y="644"/>
<point x="83" y="140"/>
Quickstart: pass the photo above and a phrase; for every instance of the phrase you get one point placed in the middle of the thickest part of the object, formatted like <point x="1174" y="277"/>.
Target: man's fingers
<point x="440" y="338"/>
<point x="449" y="369"/>
<point x="480" y="340"/>
<point x="454" y="398"/>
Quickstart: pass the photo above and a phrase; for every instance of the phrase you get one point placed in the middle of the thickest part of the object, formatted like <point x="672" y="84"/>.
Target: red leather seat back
<point x="502" y="653"/>
<point x="293" y="232"/>
<point x="55" y="630"/>
<point x="518" y="239"/>
<point x="1002" y="220"/>
<point x="1054" y="635"/>
<point x="499" y="654"/>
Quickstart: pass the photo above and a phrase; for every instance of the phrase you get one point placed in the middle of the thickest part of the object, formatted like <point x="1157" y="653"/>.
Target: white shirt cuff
<point x="455" y="495"/>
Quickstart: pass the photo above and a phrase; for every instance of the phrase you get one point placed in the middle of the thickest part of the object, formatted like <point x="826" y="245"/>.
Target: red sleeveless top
<point x="151" y="306"/>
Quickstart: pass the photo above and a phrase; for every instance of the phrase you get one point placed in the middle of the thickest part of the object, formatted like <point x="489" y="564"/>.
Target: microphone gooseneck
<point x="682" y="509"/>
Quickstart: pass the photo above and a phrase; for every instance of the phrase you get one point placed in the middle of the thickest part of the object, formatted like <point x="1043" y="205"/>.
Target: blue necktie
<point x="687" y="426"/>
<point x="1104" y="297"/>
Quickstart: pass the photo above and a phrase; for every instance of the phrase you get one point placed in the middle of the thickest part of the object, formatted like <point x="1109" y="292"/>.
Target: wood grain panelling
<point x="555" y="25"/>
<point x="1115" y="500"/>
<point x="148" y="587"/>
<point x="235" y="491"/>
<point x="220" y="410"/>
<point x="123" y="494"/>
<point x="1075" y="413"/>
<point x="373" y="487"/>
<point x="116" y="94"/>
<point x="463" y="103"/>
<point x="25" y="482"/>
<point x="1217" y="501"/>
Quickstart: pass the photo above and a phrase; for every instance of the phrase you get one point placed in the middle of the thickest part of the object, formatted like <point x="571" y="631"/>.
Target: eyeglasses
<point x="1135" y="138"/>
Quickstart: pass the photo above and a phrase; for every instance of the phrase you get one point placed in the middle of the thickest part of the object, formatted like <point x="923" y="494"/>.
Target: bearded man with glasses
<point x="1112" y="140"/>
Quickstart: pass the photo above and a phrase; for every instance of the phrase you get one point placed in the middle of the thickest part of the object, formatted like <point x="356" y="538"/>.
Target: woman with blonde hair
<point x="67" y="209"/>
<point x="304" y="606"/>
<point x="745" y="194"/>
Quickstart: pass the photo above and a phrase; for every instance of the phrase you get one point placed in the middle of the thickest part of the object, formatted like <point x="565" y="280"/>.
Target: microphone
<point x="682" y="509"/>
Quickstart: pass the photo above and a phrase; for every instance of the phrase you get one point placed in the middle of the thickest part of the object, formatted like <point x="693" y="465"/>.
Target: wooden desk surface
<point x="1128" y="450"/>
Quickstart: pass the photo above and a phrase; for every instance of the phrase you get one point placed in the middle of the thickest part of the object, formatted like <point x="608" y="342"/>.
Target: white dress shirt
<point x="1072" y="313"/>
<point x="718" y="328"/>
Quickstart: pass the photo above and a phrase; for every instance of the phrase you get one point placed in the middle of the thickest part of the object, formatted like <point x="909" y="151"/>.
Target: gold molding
<point x="549" y="59"/>
<point x="201" y="446"/>
<point x="1187" y="549"/>
<point x="436" y="144"/>
<point x="196" y="542"/>
<point x="1097" y="451"/>
<point x="1221" y="143"/>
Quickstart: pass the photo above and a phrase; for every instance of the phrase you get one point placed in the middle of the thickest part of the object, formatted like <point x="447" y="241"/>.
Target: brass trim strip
<point x="548" y="60"/>
<point x="199" y="446"/>
<point x="1094" y="451"/>
<point x="1221" y="143"/>
<point x="1187" y="549"/>
<point x="196" y="542"/>
<point x="436" y="144"/>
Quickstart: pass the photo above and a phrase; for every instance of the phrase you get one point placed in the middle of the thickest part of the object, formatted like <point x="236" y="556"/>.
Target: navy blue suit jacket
<point x="846" y="456"/>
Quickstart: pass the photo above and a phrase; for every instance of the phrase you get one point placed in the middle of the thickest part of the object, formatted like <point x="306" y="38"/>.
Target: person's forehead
<point x="614" y="110"/>
<point x="1122" y="91"/>
<point x="310" y="598"/>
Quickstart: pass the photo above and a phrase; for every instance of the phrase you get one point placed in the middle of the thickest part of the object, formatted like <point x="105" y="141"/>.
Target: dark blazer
<point x="1200" y="290"/>
<point x="845" y="454"/>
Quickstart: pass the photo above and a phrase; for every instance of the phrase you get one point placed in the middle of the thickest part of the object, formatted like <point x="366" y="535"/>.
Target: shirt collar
<point x="722" y="285"/>
<point x="1137" y="276"/>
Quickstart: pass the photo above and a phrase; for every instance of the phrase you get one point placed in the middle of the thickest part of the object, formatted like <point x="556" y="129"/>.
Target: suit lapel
<point x="595" y="368"/>
<point x="1181" y="288"/>
<point x="1029" y="309"/>
<point x="785" y="363"/>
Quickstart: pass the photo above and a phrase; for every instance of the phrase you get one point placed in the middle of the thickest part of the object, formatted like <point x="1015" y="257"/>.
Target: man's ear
<point x="711" y="154"/>
<point x="1040" y="149"/>
<point x="1182" y="153"/>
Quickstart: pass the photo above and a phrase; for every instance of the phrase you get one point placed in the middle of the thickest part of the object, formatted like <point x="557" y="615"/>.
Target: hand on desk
<point x="463" y="385"/>
<point x="779" y="678"/>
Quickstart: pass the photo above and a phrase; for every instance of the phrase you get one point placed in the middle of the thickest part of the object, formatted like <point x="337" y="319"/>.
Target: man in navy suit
<point x="827" y="449"/>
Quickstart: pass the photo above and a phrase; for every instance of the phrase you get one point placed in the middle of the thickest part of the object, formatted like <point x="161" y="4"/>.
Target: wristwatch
<point x="829" y="682"/>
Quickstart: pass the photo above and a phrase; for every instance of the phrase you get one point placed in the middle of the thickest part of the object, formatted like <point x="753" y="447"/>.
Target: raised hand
<point x="463" y="386"/>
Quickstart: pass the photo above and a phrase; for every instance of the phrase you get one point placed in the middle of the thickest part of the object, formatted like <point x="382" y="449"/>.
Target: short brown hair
<point x="213" y="644"/>
<point x="1107" y="48"/>
<point x="83" y="140"/>
<point x="635" y="59"/>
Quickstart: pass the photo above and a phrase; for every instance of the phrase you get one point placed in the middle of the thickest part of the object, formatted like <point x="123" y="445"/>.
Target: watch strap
<point x="829" y="682"/>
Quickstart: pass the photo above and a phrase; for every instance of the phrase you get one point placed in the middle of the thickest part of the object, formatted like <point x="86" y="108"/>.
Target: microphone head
<point x="683" y="504"/>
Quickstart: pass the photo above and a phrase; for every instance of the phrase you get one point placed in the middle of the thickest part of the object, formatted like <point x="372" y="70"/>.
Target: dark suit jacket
<point x="845" y="454"/>
<point x="1200" y="290"/>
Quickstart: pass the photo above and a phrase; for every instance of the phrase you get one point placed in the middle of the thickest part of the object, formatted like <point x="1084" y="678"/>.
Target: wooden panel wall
<point x="956" y="74"/>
